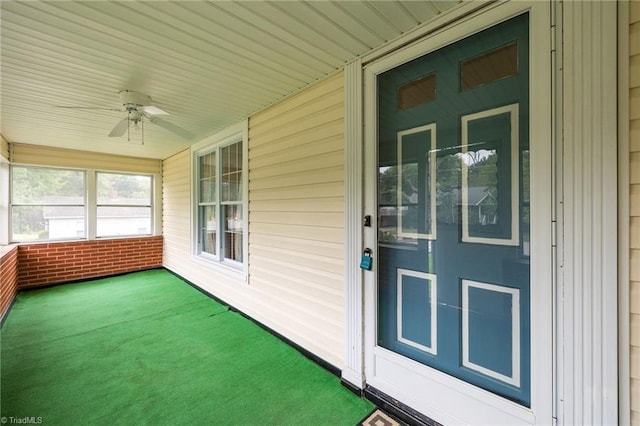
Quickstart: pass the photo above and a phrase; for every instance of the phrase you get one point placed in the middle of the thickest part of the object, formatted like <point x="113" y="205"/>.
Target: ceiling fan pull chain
<point x="129" y="126"/>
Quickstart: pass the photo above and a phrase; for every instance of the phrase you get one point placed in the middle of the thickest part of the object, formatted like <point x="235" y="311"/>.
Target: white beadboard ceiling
<point x="209" y="64"/>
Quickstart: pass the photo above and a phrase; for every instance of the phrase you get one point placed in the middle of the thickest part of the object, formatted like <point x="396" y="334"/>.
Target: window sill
<point x="225" y="269"/>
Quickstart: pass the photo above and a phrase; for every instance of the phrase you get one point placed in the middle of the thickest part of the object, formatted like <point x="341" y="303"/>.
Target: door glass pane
<point x="453" y="212"/>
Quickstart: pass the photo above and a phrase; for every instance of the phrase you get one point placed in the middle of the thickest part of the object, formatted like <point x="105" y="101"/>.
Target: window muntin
<point x="124" y="204"/>
<point x="220" y="209"/>
<point x="47" y="204"/>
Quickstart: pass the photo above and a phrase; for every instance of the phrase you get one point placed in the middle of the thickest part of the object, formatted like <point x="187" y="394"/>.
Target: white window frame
<point x="98" y="205"/>
<point x="229" y="136"/>
<point x="90" y="204"/>
<point x="84" y="204"/>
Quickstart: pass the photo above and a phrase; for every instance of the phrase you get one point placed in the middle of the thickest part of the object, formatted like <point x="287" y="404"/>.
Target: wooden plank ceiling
<point x="209" y="64"/>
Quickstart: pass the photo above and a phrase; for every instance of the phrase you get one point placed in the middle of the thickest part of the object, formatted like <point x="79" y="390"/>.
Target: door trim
<point x="443" y="406"/>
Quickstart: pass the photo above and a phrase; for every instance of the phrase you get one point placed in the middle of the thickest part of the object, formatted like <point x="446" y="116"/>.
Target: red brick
<point x="41" y="264"/>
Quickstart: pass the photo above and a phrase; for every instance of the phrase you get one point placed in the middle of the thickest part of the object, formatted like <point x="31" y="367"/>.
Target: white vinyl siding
<point x="176" y="190"/>
<point x="634" y="204"/>
<point x="296" y="212"/>
<point x="59" y="157"/>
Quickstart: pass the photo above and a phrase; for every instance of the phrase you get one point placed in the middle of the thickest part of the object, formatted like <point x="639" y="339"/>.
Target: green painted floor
<point x="147" y="348"/>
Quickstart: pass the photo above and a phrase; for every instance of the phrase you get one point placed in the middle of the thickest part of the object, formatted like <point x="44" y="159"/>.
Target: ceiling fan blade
<point x="120" y="128"/>
<point x="185" y="134"/>
<point x="153" y="110"/>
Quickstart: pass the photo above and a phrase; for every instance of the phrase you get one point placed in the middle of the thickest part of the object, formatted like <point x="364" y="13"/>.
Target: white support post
<point x="352" y="371"/>
<point x="587" y="327"/>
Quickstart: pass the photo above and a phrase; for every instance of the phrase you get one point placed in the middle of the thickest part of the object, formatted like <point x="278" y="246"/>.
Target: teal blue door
<point x="453" y="210"/>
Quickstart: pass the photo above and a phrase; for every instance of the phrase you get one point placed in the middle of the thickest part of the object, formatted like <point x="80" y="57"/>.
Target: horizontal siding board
<point x="315" y="233"/>
<point x="329" y="220"/>
<point x="59" y="157"/>
<point x="333" y="204"/>
<point x="322" y="190"/>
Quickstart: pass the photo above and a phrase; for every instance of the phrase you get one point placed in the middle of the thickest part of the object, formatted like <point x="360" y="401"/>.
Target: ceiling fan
<point x="138" y="107"/>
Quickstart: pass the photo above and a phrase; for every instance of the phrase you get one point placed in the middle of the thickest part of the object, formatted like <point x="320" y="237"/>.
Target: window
<point x="47" y="204"/>
<point x="62" y="204"/>
<point x="123" y="204"/>
<point x="221" y="202"/>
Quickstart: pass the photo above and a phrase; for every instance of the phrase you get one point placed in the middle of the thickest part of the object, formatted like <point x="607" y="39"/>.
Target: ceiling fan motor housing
<point x="133" y="100"/>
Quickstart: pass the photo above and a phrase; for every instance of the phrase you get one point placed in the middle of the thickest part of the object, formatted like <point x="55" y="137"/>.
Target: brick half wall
<point x="8" y="277"/>
<point x="41" y="264"/>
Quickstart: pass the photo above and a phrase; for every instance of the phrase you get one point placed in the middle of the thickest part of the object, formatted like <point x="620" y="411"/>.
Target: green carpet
<point x="146" y="348"/>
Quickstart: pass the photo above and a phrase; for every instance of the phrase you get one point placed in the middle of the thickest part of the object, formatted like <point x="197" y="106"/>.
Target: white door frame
<point x="443" y="400"/>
